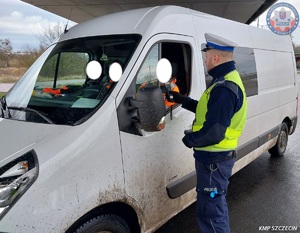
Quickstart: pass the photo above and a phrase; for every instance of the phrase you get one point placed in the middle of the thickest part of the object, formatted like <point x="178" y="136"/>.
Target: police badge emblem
<point x="283" y="21"/>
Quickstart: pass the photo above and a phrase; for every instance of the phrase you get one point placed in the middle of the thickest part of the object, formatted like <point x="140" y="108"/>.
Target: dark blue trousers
<point x="212" y="184"/>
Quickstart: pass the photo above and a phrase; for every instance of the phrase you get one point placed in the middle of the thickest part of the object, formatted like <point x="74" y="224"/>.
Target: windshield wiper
<point x="4" y="107"/>
<point x="25" y="109"/>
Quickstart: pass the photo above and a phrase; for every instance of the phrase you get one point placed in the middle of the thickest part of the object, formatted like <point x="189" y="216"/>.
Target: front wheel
<point x="281" y="144"/>
<point x="107" y="223"/>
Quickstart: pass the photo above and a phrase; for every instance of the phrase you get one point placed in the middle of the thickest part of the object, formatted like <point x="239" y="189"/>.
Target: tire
<point x="107" y="223"/>
<point x="281" y="144"/>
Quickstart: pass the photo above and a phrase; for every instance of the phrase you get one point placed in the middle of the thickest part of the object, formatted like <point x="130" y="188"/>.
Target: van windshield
<point x="57" y="90"/>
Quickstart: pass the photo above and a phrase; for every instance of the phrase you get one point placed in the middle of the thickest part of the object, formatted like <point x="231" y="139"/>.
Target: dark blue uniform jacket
<point x="222" y="105"/>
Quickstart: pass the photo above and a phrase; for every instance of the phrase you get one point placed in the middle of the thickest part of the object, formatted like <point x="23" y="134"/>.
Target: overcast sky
<point x="20" y="22"/>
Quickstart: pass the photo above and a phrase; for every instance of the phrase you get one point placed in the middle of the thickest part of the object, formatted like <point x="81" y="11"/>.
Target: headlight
<point x="15" y="178"/>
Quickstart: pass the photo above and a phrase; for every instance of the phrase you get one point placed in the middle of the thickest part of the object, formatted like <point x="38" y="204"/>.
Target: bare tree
<point x="50" y="34"/>
<point x="5" y="51"/>
<point x="28" y="56"/>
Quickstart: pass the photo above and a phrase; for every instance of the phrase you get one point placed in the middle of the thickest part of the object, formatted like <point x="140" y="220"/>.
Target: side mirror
<point x="150" y="107"/>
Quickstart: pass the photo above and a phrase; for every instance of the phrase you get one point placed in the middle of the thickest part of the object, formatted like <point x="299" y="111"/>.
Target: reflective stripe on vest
<point x="234" y="131"/>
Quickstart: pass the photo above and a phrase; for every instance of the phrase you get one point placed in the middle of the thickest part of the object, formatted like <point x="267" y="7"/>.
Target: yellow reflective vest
<point x="234" y="131"/>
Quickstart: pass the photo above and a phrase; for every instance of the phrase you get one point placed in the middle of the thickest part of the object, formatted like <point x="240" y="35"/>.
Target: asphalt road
<point x="262" y="197"/>
<point x="266" y="193"/>
<point x="4" y="87"/>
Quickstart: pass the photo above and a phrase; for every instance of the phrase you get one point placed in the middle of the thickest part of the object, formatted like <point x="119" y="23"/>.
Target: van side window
<point x="179" y="54"/>
<point x="147" y="72"/>
<point x="245" y="64"/>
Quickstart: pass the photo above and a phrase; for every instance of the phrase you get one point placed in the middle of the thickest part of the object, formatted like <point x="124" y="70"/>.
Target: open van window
<point x="179" y="55"/>
<point x="57" y="89"/>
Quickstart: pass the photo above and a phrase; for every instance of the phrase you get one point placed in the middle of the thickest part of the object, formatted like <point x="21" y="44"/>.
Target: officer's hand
<point x="185" y="141"/>
<point x="177" y="97"/>
<point x="169" y="96"/>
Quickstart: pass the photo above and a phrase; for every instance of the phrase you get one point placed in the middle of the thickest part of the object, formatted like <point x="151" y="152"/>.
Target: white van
<point x="83" y="153"/>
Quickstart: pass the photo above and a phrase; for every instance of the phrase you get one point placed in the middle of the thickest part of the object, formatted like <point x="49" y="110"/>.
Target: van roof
<point x="141" y="21"/>
<point x="175" y="20"/>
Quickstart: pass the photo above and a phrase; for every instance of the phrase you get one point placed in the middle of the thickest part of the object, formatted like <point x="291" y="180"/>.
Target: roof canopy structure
<point x="244" y="11"/>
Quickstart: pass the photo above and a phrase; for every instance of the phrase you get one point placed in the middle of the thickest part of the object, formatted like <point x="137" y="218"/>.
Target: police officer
<point x="220" y="118"/>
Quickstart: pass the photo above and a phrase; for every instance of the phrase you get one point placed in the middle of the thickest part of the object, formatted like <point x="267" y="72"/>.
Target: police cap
<point x="219" y="43"/>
